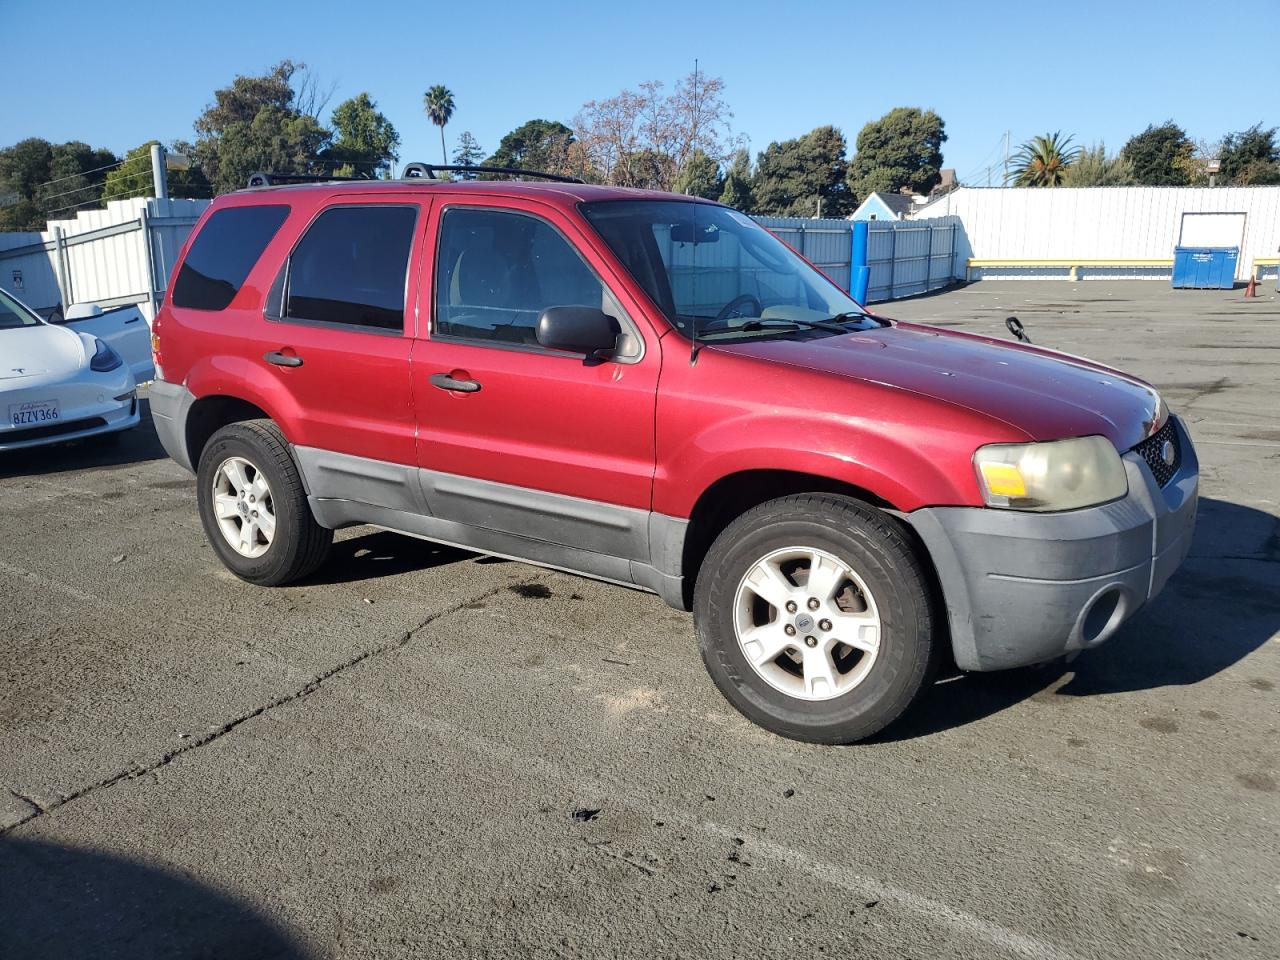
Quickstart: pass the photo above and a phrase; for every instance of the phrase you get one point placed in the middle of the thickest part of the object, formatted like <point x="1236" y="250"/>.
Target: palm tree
<point x="1041" y="161"/>
<point x="438" y="103"/>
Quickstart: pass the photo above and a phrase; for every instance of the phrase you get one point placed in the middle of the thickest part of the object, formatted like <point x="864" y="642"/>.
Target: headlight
<point x="104" y="359"/>
<point x="1057" y="475"/>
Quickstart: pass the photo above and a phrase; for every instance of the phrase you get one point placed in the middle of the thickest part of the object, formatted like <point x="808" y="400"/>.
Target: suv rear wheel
<point x="254" y="508"/>
<point x="815" y="618"/>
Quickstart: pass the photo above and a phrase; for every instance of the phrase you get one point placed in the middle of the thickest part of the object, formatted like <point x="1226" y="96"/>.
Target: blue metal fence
<point x="905" y="257"/>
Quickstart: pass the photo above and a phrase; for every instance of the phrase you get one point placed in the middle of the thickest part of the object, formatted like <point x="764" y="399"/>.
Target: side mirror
<point x="587" y="330"/>
<point x="83" y="311"/>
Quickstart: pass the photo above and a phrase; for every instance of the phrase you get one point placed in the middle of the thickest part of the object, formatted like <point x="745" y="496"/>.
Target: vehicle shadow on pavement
<point x="109" y="450"/>
<point x="381" y="553"/>
<point x="65" y="903"/>
<point x="1222" y="604"/>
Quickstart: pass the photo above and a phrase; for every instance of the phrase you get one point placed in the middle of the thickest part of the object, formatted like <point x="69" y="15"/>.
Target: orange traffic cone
<point x="1252" y="289"/>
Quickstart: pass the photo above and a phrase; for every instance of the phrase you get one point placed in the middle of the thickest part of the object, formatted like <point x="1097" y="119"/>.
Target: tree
<point x="135" y="178"/>
<point x="40" y="181"/>
<point x="255" y="124"/>
<point x="700" y="177"/>
<point x="901" y="149"/>
<point x="1094" y="168"/>
<point x="804" y="177"/>
<point x="1042" y="161"/>
<point x="1159" y="155"/>
<point x="1196" y="163"/>
<point x="438" y="104"/>
<point x="737" y="183"/>
<point x="468" y="153"/>
<point x="365" y="140"/>
<point x="646" y="137"/>
<point x="535" y="145"/>
<point x="1250" y="157"/>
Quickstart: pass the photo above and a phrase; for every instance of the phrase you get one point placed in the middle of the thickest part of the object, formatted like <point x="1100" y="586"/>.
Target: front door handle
<point x="282" y="359"/>
<point x="446" y="381"/>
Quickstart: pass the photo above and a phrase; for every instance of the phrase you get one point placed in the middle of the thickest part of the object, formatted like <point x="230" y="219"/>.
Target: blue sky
<point x="118" y="73"/>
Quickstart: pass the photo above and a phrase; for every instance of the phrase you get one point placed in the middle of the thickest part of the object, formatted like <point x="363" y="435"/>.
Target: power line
<point x="81" y="174"/>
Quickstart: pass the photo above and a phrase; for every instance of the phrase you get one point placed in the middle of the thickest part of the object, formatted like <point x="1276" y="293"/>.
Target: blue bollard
<point x="859" y="272"/>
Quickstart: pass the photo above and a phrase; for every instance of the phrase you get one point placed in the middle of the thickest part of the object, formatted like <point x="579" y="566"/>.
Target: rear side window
<point x="223" y="253"/>
<point x="350" y="266"/>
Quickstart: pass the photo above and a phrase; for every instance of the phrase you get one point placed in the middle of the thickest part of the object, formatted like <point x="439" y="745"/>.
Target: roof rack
<point x="264" y="179"/>
<point x="415" y="171"/>
<point x="412" y="171"/>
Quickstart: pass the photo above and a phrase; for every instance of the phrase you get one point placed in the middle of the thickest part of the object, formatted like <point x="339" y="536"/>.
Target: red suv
<point x="653" y="390"/>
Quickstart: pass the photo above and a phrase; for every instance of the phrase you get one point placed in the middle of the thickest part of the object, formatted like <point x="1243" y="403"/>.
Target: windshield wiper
<point x="831" y="325"/>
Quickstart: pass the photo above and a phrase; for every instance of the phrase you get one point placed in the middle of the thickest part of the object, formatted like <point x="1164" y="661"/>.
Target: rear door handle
<point x="282" y="359"/>
<point x="446" y="382"/>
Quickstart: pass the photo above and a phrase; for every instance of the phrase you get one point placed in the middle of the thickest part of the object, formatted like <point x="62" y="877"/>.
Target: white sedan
<point x="58" y="383"/>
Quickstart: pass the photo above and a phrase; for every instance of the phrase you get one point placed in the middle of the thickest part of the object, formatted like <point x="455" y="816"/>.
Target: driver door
<point x="547" y="445"/>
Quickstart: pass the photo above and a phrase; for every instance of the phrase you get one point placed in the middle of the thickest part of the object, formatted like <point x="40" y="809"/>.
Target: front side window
<point x="497" y="272"/>
<point x="223" y="253"/>
<point x="716" y="271"/>
<point x="14" y="315"/>
<point x="350" y="266"/>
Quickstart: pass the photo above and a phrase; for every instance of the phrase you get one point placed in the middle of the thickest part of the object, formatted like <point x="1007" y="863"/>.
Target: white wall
<point x="1099" y="223"/>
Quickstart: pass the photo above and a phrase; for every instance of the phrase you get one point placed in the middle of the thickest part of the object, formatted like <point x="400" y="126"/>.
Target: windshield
<point x="716" y="269"/>
<point x="14" y="315"/>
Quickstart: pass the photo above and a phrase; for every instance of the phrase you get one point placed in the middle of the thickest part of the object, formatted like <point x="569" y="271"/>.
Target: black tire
<point x="299" y="545"/>
<point x="870" y="543"/>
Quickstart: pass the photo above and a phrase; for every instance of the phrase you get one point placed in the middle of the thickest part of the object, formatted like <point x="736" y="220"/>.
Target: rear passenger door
<point x="547" y="445"/>
<point x="335" y="336"/>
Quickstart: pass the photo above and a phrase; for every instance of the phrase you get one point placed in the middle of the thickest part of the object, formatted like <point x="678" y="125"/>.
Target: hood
<point x="43" y="351"/>
<point x="1045" y="394"/>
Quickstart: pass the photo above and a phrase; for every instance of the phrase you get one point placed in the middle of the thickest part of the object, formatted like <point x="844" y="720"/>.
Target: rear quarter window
<point x="223" y="253"/>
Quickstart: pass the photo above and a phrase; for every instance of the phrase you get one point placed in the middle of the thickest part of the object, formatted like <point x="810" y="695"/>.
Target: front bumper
<point x="87" y="407"/>
<point x="1023" y="588"/>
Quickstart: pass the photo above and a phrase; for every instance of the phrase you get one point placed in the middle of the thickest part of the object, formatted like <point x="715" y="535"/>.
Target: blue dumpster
<point x="1205" y="268"/>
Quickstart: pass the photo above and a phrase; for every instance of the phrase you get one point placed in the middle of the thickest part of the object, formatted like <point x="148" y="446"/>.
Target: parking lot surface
<point x="424" y="752"/>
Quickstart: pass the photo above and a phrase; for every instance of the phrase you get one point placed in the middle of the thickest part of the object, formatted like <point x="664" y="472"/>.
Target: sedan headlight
<point x="104" y="359"/>
<point x="1057" y="475"/>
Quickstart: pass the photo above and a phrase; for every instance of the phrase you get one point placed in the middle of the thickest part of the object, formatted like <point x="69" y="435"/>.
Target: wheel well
<point x="730" y="497"/>
<point x="208" y="415"/>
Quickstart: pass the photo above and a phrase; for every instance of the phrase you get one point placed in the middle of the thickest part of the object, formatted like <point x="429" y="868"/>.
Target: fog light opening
<point x="1103" y="616"/>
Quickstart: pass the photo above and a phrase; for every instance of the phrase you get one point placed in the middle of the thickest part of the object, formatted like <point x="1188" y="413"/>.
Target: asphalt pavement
<point x="424" y="752"/>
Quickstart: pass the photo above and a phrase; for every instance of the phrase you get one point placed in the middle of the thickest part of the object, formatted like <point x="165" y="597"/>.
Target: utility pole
<point x="1006" y="159"/>
<point x="159" y="174"/>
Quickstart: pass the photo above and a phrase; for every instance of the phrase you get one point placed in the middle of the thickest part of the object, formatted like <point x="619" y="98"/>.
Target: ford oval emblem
<point x="1167" y="453"/>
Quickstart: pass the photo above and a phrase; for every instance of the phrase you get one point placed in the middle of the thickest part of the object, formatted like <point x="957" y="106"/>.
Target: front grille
<point x="1152" y="451"/>
<point x="51" y="430"/>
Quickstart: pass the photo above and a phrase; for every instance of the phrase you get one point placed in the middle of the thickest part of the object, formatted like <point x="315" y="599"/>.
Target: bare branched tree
<point x="310" y="97"/>
<point x="645" y="138"/>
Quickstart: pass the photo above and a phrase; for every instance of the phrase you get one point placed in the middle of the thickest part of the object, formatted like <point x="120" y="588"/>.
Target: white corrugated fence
<point x="1110" y="223"/>
<point x="119" y="255"/>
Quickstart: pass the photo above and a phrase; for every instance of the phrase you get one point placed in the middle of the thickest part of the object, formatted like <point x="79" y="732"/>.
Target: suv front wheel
<point x="815" y="618"/>
<point x="254" y="508"/>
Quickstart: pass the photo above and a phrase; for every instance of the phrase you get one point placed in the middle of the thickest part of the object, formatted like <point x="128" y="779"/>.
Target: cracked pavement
<point x="386" y="760"/>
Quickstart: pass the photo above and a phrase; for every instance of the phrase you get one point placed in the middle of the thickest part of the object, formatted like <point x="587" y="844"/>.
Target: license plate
<point x="33" y="413"/>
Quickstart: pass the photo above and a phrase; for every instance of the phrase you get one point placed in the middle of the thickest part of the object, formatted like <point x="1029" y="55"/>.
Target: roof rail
<point x="412" y="171"/>
<point x="416" y="171"/>
<point x="264" y="179"/>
